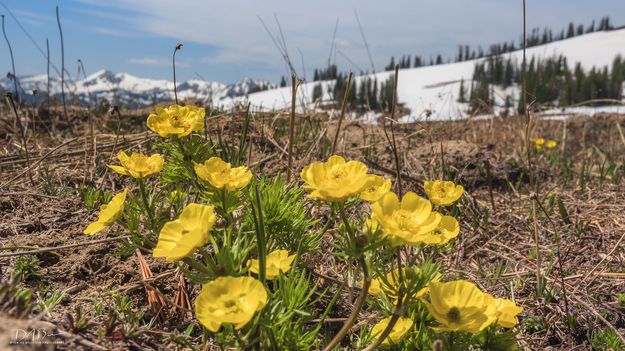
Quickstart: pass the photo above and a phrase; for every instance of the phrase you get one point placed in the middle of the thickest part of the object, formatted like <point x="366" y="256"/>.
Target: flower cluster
<point x="417" y="222"/>
<point x="242" y="238"/>
<point x="542" y="143"/>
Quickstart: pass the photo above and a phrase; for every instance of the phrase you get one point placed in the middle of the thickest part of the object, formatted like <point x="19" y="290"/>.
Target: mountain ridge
<point x="127" y="89"/>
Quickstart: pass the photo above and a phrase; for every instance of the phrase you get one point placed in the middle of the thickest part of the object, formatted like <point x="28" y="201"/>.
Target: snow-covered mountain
<point x="433" y="90"/>
<point x="124" y="88"/>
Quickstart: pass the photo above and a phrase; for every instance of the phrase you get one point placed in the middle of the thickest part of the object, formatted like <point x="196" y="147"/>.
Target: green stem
<point x="260" y="236"/>
<point x="146" y="203"/>
<point x="396" y="314"/>
<point x="197" y="265"/>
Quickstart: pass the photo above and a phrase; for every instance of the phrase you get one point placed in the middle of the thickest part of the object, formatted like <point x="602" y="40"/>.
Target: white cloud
<point x="156" y="62"/>
<point x="393" y="28"/>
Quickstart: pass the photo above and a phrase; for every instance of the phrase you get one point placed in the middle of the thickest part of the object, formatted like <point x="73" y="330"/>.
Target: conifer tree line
<point x="549" y="81"/>
<point x="535" y="37"/>
<point x="364" y="94"/>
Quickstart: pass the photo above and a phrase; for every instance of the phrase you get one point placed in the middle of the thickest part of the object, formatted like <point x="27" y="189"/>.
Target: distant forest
<point x="550" y="80"/>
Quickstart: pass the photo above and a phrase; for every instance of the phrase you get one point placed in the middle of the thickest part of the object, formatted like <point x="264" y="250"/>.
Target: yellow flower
<point x="377" y="189"/>
<point x="109" y="213"/>
<point x="277" y="262"/>
<point x="176" y="120"/>
<point x="460" y="306"/>
<point x="447" y="229"/>
<point x="408" y="274"/>
<point x="507" y="311"/>
<point x="538" y="142"/>
<point x="405" y="223"/>
<point x="398" y="332"/>
<point x="443" y="193"/>
<point x="178" y="238"/>
<point x="138" y="165"/>
<point x="551" y="144"/>
<point x="336" y="180"/>
<point x="232" y="300"/>
<point x="220" y="174"/>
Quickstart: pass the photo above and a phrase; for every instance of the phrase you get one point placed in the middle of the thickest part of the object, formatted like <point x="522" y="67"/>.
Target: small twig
<point x="617" y="245"/>
<point x="344" y="106"/>
<point x="62" y="247"/>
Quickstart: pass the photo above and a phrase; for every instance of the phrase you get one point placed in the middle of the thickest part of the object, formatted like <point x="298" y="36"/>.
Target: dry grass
<point x="495" y="248"/>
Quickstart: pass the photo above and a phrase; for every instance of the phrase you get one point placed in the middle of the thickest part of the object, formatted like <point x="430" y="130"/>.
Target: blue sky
<point x="225" y="41"/>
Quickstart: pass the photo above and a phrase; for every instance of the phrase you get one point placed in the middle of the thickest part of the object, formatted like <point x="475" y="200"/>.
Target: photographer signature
<point x="34" y="336"/>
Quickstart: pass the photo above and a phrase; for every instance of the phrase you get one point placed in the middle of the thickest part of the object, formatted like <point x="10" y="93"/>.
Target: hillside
<point x="435" y="88"/>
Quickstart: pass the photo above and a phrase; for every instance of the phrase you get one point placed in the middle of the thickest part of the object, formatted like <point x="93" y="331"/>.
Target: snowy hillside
<point x="436" y="88"/>
<point x="127" y="89"/>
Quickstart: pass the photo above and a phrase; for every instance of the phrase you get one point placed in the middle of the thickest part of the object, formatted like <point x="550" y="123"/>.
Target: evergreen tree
<point x="462" y="93"/>
<point x="317" y="92"/>
<point x="591" y="28"/>
<point x="282" y="82"/>
<point x="439" y="59"/>
<point x="391" y="65"/>
<point x="571" y="31"/>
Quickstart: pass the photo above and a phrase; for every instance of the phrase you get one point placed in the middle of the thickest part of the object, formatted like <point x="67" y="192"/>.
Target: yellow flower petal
<point x="336" y="180"/>
<point x="443" y="193"/>
<point x="109" y="213"/>
<point x="460" y="306"/>
<point x="177" y="120"/>
<point x="276" y="262"/>
<point x="180" y="237"/>
<point x="138" y="165"/>
<point x="398" y="332"/>
<point x="232" y="300"/>
<point x="407" y="222"/>
<point x="220" y="174"/>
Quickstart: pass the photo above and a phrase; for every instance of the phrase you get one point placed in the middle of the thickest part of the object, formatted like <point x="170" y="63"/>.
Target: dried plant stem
<point x="115" y="110"/>
<point x="294" y="85"/>
<point x="560" y="266"/>
<point x="18" y="122"/>
<point x="56" y="248"/>
<point x="3" y="185"/>
<point x="528" y="130"/>
<point x="90" y="138"/>
<point x="178" y="47"/>
<point x="399" y="306"/>
<point x="17" y="94"/>
<point x="58" y="21"/>
<point x="360" y="301"/>
<point x="343" y="107"/>
<point x="391" y="140"/>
